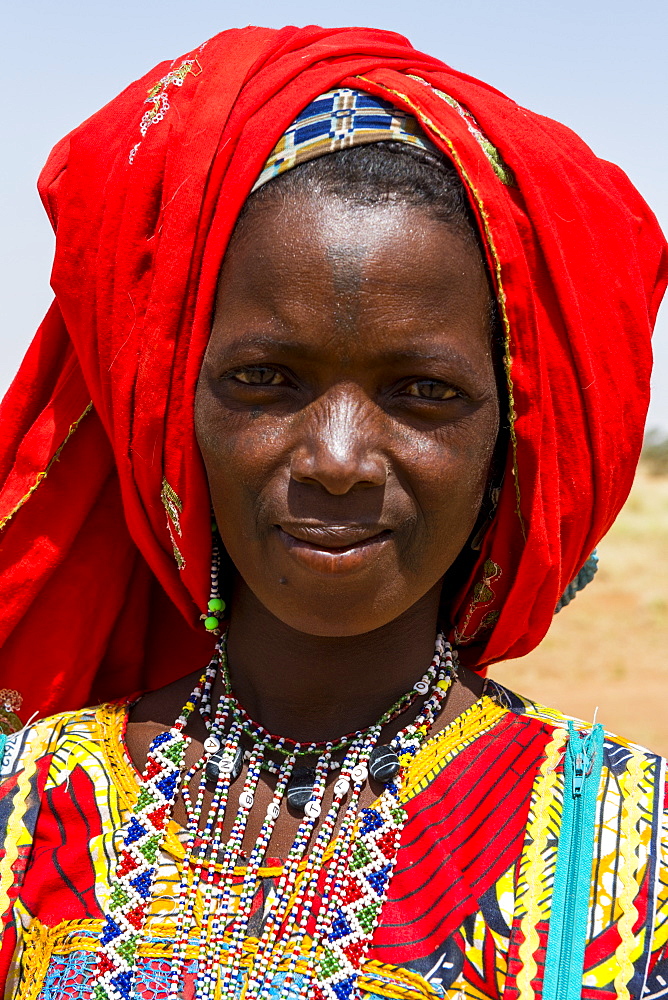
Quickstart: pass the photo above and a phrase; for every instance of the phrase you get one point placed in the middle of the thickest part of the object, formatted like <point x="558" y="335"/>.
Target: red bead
<point x="136" y="917"/>
<point x="351" y="893"/>
<point x="157" y="817"/>
<point x="104" y="963"/>
<point x="388" y="843"/>
<point x="354" y="952"/>
<point x="153" y="767"/>
<point x="126" y="863"/>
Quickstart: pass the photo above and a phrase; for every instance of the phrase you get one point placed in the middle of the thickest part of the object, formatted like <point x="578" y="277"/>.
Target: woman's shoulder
<point x="617" y="750"/>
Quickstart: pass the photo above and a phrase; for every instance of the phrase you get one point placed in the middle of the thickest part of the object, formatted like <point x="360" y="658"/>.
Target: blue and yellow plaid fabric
<point x="337" y="120"/>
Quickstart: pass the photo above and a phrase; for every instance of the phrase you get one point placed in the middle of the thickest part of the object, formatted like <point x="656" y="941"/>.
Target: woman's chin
<point x="348" y="591"/>
<point x="333" y="623"/>
<point x="318" y="608"/>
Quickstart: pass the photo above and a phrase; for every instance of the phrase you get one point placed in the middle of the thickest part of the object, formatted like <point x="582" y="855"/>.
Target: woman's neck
<point x="314" y="688"/>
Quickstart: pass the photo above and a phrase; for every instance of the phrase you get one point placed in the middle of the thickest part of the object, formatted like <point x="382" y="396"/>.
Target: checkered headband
<point x="336" y="120"/>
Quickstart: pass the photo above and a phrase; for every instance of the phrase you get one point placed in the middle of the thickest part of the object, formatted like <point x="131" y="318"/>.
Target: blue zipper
<point x="564" y="960"/>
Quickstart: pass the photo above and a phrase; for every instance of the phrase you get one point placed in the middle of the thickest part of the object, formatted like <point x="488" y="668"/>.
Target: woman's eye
<point x="258" y="376"/>
<point x="426" y="388"/>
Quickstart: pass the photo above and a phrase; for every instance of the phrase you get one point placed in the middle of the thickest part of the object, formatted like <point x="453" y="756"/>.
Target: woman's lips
<point x="333" y="548"/>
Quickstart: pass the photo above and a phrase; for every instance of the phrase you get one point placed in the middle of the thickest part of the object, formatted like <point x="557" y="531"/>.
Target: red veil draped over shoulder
<point x="104" y="507"/>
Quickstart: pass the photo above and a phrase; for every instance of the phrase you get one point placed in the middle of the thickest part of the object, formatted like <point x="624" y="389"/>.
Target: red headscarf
<point x="104" y="508"/>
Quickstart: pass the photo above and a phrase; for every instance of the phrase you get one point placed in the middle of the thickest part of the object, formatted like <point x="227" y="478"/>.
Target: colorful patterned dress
<point x="469" y="908"/>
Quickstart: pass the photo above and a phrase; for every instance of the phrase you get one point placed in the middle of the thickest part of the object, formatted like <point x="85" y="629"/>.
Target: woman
<point x="394" y="331"/>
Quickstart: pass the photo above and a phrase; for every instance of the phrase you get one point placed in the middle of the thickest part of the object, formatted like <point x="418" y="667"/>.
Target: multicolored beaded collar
<point x="350" y="866"/>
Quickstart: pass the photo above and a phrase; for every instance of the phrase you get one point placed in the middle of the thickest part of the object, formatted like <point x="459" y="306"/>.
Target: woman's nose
<point x="338" y="445"/>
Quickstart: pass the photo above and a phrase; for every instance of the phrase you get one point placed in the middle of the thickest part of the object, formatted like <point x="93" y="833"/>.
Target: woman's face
<point x="347" y="408"/>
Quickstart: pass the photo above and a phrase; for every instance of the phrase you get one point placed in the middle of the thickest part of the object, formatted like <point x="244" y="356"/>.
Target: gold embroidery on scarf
<point x="10" y="703"/>
<point x="157" y="96"/>
<point x="173" y="505"/>
<point x="482" y="594"/>
<point x="496" y="161"/>
<point x="501" y="295"/>
<point x="42" y="475"/>
<point x="158" y="99"/>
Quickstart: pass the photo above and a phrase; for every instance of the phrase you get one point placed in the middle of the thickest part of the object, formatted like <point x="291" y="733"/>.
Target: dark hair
<point x="376" y="173"/>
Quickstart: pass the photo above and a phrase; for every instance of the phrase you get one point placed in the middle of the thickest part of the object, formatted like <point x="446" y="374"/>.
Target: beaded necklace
<point x="349" y="869"/>
<point x="281" y="745"/>
<point x="256" y="731"/>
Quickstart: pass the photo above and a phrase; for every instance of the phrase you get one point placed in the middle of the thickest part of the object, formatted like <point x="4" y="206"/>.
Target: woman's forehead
<point x="387" y="279"/>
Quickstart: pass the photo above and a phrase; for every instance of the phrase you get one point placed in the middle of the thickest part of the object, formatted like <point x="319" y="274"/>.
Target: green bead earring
<point x="216" y="606"/>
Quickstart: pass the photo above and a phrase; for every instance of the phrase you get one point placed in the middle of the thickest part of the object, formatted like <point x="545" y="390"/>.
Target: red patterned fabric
<point x="447" y="862"/>
<point x="472" y="884"/>
<point x="143" y="197"/>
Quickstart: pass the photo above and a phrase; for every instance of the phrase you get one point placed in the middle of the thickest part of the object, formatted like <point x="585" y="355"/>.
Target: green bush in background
<point x="655" y="453"/>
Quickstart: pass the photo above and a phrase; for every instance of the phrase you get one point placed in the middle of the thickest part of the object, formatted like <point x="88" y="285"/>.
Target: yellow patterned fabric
<point x="469" y="907"/>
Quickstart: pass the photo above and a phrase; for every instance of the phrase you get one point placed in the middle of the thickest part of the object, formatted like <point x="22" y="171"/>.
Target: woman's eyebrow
<point x="447" y="353"/>
<point x="259" y="342"/>
<point x="444" y="353"/>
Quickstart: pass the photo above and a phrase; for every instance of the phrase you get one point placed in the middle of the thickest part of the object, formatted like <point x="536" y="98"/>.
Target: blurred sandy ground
<point x="609" y="647"/>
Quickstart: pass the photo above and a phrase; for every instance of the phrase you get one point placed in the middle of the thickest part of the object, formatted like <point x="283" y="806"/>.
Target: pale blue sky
<point x="600" y="66"/>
